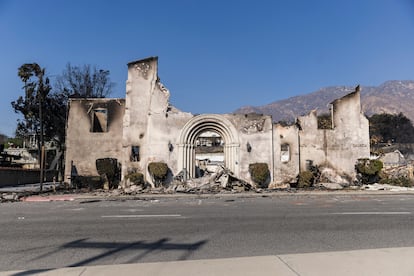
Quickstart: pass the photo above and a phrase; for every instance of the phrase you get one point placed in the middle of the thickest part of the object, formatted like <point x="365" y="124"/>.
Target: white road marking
<point x="372" y="213"/>
<point x="133" y="210"/>
<point x="142" y="216"/>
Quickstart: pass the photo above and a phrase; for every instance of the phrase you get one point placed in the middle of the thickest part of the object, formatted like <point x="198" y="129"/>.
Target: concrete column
<point x="181" y="157"/>
<point x="191" y="161"/>
<point x="231" y="153"/>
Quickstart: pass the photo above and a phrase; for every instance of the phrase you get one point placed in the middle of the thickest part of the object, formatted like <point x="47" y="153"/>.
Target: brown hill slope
<point x="390" y="97"/>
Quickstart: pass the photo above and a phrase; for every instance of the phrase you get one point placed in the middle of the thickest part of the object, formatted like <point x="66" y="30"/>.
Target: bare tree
<point x="84" y="82"/>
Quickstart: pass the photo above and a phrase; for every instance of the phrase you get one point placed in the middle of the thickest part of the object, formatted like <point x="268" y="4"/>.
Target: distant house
<point x="144" y="128"/>
<point x="393" y="158"/>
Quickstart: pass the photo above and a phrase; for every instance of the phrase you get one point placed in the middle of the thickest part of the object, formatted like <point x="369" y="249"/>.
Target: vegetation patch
<point x="108" y="168"/>
<point x="390" y="128"/>
<point x="135" y="178"/>
<point x="158" y="172"/>
<point x="260" y="174"/>
<point x="368" y="170"/>
<point x="401" y="181"/>
<point x="305" y="179"/>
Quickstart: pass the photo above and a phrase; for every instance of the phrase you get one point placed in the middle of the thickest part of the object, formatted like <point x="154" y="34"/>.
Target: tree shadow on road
<point x="145" y="248"/>
<point x="138" y="250"/>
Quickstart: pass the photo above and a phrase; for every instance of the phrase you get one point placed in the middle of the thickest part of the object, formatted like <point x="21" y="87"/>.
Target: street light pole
<point x="42" y="142"/>
<point x="43" y="90"/>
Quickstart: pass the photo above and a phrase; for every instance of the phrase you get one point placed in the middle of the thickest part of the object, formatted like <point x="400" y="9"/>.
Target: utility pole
<point x="43" y="90"/>
<point x="42" y="140"/>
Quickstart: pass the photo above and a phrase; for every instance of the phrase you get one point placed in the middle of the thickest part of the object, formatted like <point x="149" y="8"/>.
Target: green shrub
<point x="305" y="179"/>
<point x="369" y="170"/>
<point x="136" y="178"/>
<point x="369" y="167"/>
<point x="399" y="181"/>
<point x="109" y="168"/>
<point x="260" y="174"/>
<point x="158" y="171"/>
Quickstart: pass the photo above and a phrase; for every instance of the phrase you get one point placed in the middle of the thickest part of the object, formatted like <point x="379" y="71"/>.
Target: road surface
<point x="88" y="232"/>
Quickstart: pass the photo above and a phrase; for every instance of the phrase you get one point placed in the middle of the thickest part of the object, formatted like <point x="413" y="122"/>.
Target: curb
<point x="47" y="198"/>
<point x="109" y="197"/>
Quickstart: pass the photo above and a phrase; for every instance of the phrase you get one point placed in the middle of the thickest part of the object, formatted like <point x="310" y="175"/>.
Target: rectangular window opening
<point x="135" y="154"/>
<point x="285" y="153"/>
<point x="100" y="120"/>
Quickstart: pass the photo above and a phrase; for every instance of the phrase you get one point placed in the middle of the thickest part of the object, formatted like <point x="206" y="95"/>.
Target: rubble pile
<point x="398" y="171"/>
<point x="329" y="175"/>
<point x="222" y="180"/>
<point x="385" y="187"/>
<point x="330" y="179"/>
<point x="9" y="197"/>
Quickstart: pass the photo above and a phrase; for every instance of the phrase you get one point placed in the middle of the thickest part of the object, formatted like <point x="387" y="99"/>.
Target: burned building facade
<point x="145" y="128"/>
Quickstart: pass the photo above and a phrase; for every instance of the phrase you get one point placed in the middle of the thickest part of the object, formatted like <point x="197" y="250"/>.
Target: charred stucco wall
<point x="350" y="138"/>
<point x="150" y="123"/>
<point x="139" y="86"/>
<point x="286" y="154"/>
<point x="164" y="131"/>
<point x="341" y="146"/>
<point x="313" y="141"/>
<point x="83" y="145"/>
<point x="145" y="128"/>
<point x="255" y="141"/>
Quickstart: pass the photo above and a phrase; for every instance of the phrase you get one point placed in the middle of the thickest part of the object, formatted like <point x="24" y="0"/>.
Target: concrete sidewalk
<point x="386" y="261"/>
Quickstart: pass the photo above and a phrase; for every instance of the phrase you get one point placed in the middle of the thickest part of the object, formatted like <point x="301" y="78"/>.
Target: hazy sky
<point x="214" y="55"/>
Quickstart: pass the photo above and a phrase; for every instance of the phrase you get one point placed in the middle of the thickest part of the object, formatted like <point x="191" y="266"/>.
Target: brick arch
<point x="208" y="122"/>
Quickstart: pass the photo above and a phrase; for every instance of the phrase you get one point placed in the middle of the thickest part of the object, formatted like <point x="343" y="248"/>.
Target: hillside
<point x="390" y="97"/>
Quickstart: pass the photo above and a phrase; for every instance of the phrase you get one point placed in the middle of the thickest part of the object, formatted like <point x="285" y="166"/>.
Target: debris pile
<point x="222" y="180"/>
<point x="385" y="187"/>
<point x="398" y="171"/>
<point x="330" y="179"/>
<point x="329" y="175"/>
<point x="9" y="197"/>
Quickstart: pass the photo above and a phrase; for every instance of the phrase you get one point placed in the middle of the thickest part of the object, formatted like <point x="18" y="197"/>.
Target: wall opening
<point x="285" y="153"/>
<point x="209" y="153"/>
<point x="100" y="120"/>
<point x="204" y="130"/>
<point x="135" y="154"/>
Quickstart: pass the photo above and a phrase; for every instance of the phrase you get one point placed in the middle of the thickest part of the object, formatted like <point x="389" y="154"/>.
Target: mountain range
<point x="390" y="97"/>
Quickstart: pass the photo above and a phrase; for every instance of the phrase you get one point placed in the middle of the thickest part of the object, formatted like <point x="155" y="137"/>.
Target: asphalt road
<point x="93" y="232"/>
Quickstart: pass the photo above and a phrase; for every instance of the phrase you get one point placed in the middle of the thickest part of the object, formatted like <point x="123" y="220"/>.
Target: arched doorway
<point x="209" y="153"/>
<point x="201" y="125"/>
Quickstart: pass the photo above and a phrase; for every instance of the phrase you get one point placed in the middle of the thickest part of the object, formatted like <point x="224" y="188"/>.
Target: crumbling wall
<point x="255" y="141"/>
<point x="142" y="77"/>
<point x="164" y="130"/>
<point x="349" y="140"/>
<point x="313" y="141"/>
<point x="150" y="126"/>
<point x="341" y="146"/>
<point x="86" y="142"/>
<point x="286" y="154"/>
<point x="145" y="128"/>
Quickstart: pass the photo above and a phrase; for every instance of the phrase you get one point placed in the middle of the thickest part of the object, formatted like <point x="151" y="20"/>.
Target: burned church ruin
<point x="144" y="128"/>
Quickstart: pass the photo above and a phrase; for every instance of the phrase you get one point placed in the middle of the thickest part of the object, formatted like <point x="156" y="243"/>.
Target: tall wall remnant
<point x="144" y="127"/>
